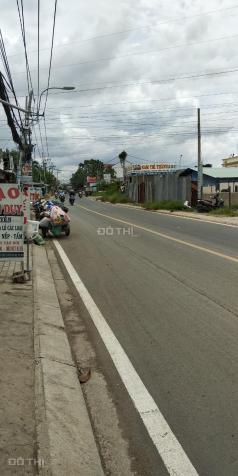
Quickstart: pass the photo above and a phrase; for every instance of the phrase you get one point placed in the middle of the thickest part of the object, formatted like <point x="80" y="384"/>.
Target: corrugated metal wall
<point x="160" y="187"/>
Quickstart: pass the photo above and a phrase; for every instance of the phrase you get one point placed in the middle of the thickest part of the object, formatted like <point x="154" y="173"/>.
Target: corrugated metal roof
<point x="221" y="172"/>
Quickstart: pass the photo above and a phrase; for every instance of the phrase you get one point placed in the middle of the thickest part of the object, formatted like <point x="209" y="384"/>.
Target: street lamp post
<point x="64" y="88"/>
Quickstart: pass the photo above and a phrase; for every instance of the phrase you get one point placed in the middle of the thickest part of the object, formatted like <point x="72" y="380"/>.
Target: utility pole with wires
<point x="200" y="165"/>
<point x="25" y="155"/>
<point x="57" y="177"/>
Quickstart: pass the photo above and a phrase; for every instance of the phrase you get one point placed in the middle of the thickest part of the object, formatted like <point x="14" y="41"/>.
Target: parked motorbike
<point x="54" y="220"/>
<point x="47" y="227"/>
<point x="208" y="205"/>
<point x="38" y="208"/>
<point x="40" y="205"/>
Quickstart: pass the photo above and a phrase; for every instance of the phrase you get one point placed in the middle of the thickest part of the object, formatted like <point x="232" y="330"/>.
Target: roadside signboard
<point x="91" y="179"/>
<point x="150" y="168"/>
<point x="11" y="223"/>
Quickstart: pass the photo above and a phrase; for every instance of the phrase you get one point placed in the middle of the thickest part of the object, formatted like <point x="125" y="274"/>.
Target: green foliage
<point x="94" y="168"/>
<point x="91" y="168"/>
<point x="171" y="205"/>
<point x="110" y="188"/>
<point x="122" y="156"/>
<point x="230" y="212"/>
<point x="39" y="174"/>
<point x="116" y="197"/>
<point x="78" y="179"/>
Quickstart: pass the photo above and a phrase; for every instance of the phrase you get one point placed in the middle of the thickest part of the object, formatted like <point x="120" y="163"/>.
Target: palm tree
<point x="122" y="157"/>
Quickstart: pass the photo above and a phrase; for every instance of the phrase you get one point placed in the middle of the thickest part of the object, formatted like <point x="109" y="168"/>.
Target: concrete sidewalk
<point x="17" y="403"/>
<point x="44" y="424"/>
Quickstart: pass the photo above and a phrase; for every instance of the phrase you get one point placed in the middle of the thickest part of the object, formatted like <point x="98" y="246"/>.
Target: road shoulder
<point x="65" y="438"/>
<point x="203" y="217"/>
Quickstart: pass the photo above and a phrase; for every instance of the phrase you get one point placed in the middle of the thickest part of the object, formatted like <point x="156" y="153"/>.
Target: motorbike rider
<point x="72" y="196"/>
<point x="62" y="196"/>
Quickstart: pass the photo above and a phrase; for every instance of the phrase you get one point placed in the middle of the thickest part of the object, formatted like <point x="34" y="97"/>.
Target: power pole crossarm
<point x="13" y="106"/>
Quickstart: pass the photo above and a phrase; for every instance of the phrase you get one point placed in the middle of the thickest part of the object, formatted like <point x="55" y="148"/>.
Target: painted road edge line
<point x="167" y="237"/>
<point x="175" y="459"/>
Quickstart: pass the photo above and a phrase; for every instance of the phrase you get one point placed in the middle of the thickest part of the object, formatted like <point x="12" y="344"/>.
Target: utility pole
<point x="57" y="177"/>
<point x="200" y="166"/>
<point x="25" y="154"/>
<point x="180" y="161"/>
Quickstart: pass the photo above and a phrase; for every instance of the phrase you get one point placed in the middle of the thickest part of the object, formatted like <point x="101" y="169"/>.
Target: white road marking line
<point x="168" y="447"/>
<point x="167" y="237"/>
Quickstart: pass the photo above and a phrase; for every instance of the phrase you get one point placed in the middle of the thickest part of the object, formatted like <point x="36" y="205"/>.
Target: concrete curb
<point x="65" y="441"/>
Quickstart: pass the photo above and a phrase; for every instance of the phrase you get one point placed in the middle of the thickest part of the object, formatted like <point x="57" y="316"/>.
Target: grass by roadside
<point x="169" y="205"/>
<point x="116" y="197"/>
<point x="112" y="194"/>
<point x="229" y="212"/>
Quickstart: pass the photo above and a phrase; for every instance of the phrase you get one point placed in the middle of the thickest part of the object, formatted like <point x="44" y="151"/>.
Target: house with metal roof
<point x="216" y="178"/>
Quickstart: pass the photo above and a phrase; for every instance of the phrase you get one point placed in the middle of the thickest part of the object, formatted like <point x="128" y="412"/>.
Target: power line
<point x="41" y="140"/>
<point x="51" y="54"/>
<point x="38" y="53"/>
<point x="8" y="72"/>
<point x="148" y="27"/>
<point x="134" y="114"/>
<point x="140" y="53"/>
<point x="148" y="100"/>
<point x="140" y="135"/>
<point x="22" y="25"/>
<point x="46" y="140"/>
<point x="37" y="145"/>
<point x="187" y="76"/>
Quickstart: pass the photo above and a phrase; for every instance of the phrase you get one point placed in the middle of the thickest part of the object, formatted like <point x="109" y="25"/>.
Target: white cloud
<point x="153" y="121"/>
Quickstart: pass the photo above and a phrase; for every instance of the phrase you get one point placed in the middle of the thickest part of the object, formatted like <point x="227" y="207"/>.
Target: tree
<point x="40" y="174"/>
<point x="94" y="168"/>
<point x="91" y="168"/>
<point x="78" y="179"/>
<point x="122" y="156"/>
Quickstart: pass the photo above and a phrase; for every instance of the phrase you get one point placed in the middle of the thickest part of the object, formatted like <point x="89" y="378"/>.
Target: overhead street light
<point x="63" y="88"/>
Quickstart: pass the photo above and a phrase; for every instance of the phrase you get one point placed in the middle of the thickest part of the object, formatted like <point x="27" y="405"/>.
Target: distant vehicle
<point x="72" y="197"/>
<point x="62" y="197"/>
<point x="88" y="191"/>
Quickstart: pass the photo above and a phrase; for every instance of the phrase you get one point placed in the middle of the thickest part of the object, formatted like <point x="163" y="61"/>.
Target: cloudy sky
<point x="141" y="68"/>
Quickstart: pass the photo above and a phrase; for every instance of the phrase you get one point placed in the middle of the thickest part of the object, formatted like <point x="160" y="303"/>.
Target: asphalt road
<point x="168" y="290"/>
